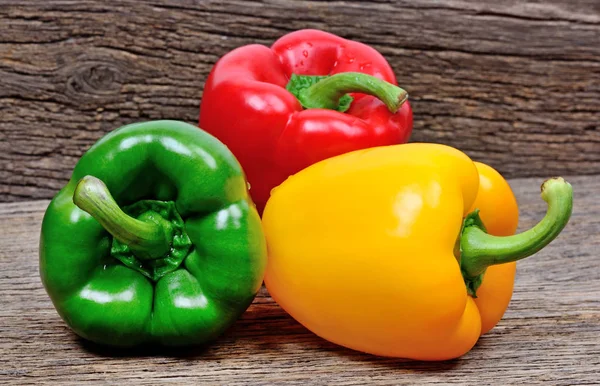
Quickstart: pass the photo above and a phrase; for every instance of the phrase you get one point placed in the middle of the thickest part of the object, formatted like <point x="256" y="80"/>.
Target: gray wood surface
<point x="514" y="83"/>
<point x="549" y="335"/>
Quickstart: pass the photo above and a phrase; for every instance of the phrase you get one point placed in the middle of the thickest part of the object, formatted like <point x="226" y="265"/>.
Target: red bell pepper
<point x="278" y="114"/>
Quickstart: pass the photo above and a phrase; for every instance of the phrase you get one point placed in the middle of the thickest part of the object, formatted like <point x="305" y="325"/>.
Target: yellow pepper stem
<point x="148" y="240"/>
<point x="479" y="250"/>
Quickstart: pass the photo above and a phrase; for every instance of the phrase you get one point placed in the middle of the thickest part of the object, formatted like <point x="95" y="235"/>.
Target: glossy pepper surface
<point x="379" y="250"/>
<point x="279" y="112"/>
<point x="153" y="240"/>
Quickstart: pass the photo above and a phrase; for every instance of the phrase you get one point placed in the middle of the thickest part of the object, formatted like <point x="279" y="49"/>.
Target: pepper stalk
<point x="331" y="91"/>
<point x="148" y="239"/>
<point x="480" y="250"/>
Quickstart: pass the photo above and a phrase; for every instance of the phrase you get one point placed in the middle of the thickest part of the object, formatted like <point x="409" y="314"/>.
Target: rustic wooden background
<point x="514" y="83"/>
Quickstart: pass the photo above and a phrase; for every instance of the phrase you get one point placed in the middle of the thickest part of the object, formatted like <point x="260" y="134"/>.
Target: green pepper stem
<point x="326" y="93"/>
<point x="147" y="239"/>
<point x="480" y="250"/>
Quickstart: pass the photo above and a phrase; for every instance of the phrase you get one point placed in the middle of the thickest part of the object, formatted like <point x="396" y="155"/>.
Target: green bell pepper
<point x="174" y="259"/>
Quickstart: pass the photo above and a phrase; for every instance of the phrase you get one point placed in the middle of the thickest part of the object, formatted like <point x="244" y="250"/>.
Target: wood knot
<point x="95" y="78"/>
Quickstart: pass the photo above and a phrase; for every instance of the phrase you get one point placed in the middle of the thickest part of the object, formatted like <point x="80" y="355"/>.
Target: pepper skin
<point x="273" y="134"/>
<point x="377" y="250"/>
<point x="183" y="260"/>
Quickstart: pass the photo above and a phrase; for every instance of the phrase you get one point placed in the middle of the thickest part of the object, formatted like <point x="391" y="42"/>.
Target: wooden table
<point x="550" y="333"/>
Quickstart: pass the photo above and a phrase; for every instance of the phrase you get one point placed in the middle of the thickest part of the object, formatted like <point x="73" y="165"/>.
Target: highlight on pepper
<point x="154" y="240"/>
<point x="386" y="250"/>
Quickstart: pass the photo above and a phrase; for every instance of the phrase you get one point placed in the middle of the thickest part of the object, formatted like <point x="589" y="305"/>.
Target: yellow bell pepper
<point x="379" y="250"/>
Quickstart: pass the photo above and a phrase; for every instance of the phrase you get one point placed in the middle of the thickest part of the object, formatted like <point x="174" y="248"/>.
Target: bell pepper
<point x="310" y="96"/>
<point x="154" y="240"/>
<point x="381" y="250"/>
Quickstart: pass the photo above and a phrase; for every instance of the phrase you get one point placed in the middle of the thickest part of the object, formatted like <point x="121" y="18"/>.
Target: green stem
<point x="326" y="93"/>
<point x="480" y="250"/>
<point x="147" y="239"/>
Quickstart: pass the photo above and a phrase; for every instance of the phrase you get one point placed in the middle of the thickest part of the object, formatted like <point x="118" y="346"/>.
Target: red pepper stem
<point x="480" y="250"/>
<point x="148" y="240"/>
<point x="326" y="93"/>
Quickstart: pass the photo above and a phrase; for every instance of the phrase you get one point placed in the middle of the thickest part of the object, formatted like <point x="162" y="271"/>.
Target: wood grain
<point x="514" y="83"/>
<point x="549" y="335"/>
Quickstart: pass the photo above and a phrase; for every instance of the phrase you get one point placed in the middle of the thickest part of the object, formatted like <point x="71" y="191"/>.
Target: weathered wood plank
<point x="515" y="84"/>
<point x="550" y="334"/>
